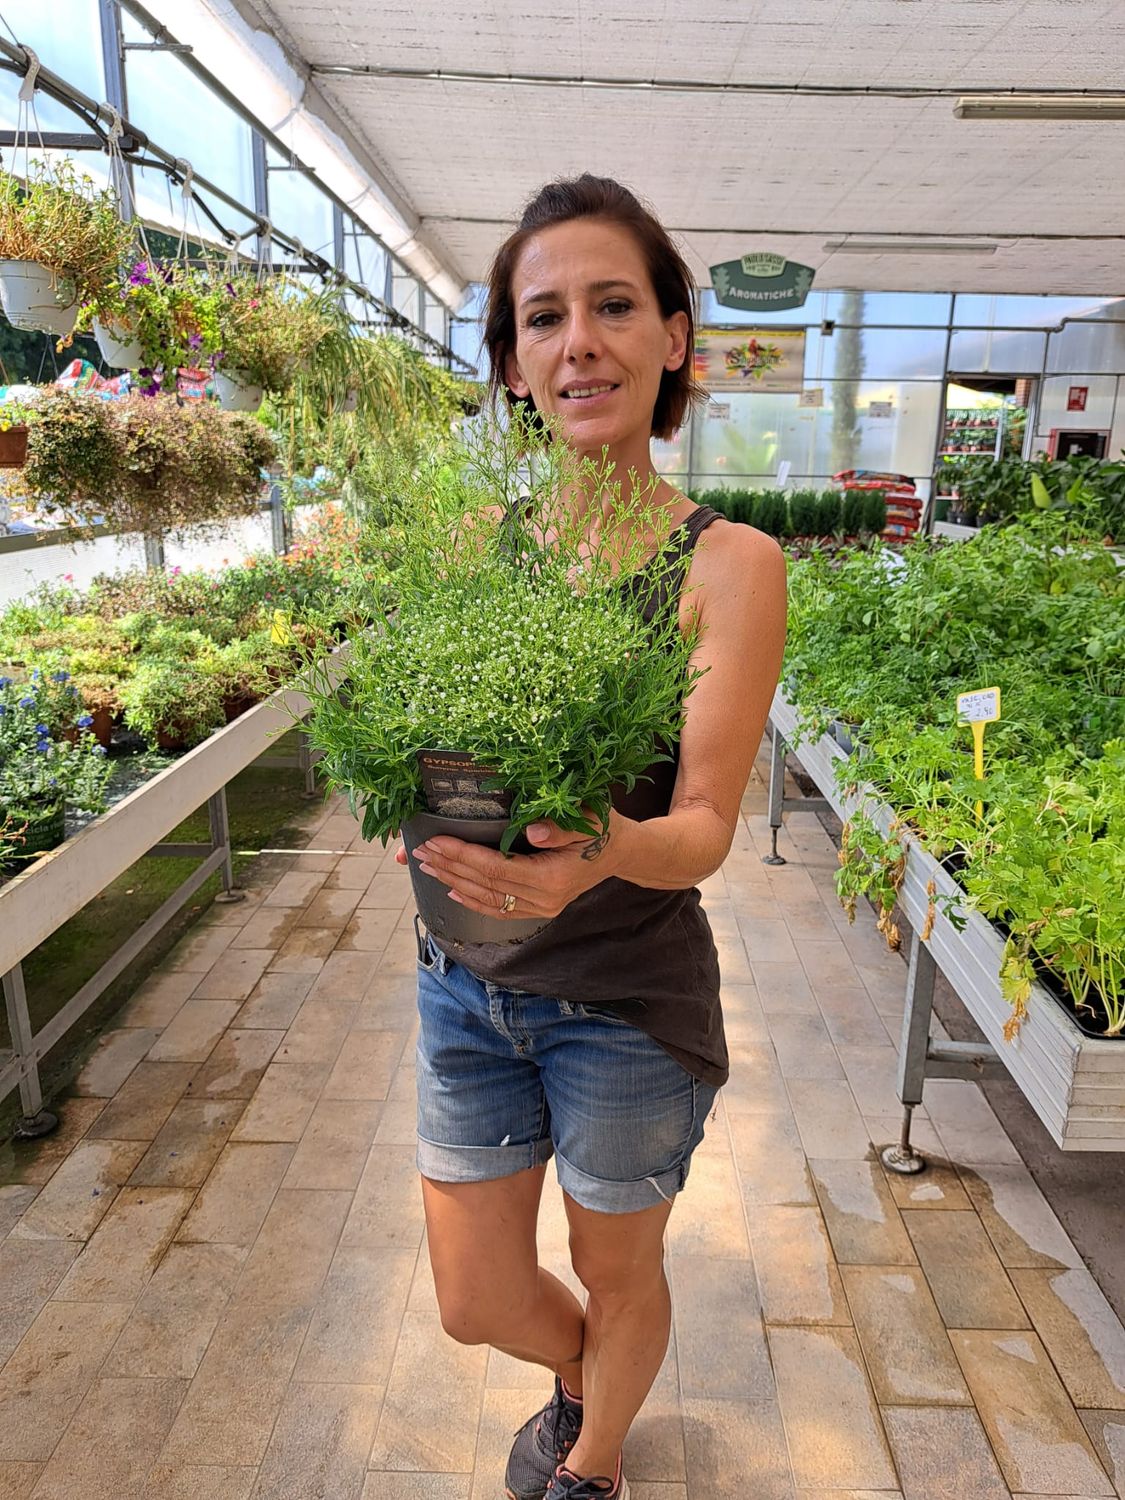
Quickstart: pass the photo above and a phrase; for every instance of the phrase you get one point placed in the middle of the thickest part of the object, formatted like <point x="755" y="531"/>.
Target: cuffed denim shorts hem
<point x="479" y="1163"/>
<point x="606" y="1197"/>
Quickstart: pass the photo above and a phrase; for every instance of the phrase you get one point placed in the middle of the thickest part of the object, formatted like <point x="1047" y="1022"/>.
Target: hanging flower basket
<point x="120" y="349"/>
<point x="236" y="393"/>
<point x="13" y="447"/>
<point x="36" y="300"/>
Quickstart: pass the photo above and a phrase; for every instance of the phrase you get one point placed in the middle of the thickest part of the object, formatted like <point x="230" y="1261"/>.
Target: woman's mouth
<point x="585" y="394"/>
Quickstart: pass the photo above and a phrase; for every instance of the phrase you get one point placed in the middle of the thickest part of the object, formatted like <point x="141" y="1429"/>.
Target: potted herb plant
<point x="61" y="240"/>
<point x="516" y="648"/>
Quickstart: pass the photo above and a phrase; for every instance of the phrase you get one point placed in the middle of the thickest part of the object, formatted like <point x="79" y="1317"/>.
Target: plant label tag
<point x="783" y="471"/>
<point x="456" y="785"/>
<point x="980" y="707"/>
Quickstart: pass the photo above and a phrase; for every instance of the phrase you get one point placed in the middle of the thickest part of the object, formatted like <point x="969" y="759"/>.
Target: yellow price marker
<point x="978" y="709"/>
<point x="280" y="634"/>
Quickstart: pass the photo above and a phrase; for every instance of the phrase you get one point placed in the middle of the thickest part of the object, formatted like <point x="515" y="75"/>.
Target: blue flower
<point x="100" y="750"/>
<point x="84" y="721"/>
<point x="35" y="674"/>
<point x="44" y="747"/>
<point x="42" y="729"/>
<point x="27" y="702"/>
<point x="60" y="676"/>
<point x="6" y="681"/>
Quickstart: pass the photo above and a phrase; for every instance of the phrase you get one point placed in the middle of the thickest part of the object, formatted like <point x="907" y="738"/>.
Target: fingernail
<point x="453" y="896"/>
<point x="425" y="868"/>
<point x="418" y="853"/>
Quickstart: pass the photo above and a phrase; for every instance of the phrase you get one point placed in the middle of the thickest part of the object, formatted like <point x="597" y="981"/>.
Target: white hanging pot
<point x="235" y="392"/>
<point x="351" y="400"/>
<point x="35" y="300"/>
<point x="119" y="353"/>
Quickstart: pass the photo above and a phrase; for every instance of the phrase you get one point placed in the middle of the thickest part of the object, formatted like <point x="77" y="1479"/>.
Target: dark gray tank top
<point x="645" y="956"/>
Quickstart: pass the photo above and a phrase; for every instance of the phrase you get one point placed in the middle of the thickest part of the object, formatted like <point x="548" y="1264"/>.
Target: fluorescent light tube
<point x="910" y="247"/>
<point x="1040" y="107"/>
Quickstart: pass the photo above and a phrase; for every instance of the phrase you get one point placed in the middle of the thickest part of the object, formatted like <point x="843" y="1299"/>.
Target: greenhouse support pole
<point x="280" y="529"/>
<point x="154" y="552"/>
<point x="36" y="1120"/>
<point x="117" y="94"/>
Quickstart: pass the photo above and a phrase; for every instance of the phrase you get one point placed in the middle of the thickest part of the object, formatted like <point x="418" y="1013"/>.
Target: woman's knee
<point x="473" y="1315"/>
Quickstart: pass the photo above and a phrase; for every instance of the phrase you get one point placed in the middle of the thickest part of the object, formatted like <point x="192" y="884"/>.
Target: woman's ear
<point x="677" y="326"/>
<point x="513" y="378"/>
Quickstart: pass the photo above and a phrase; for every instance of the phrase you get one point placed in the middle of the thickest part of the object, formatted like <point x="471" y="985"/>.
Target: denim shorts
<point x="507" y="1079"/>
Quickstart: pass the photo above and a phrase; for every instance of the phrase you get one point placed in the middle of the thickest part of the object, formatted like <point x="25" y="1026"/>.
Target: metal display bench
<point x="39" y="900"/>
<point x="1075" y="1083"/>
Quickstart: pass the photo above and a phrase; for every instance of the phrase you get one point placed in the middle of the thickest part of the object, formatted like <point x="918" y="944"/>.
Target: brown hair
<point x="589" y="197"/>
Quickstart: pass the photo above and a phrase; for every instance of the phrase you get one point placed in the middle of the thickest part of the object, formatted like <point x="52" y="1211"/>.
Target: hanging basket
<point x="119" y="353"/>
<point x="13" y="448"/>
<point x="34" y="300"/>
<point x="235" y="392"/>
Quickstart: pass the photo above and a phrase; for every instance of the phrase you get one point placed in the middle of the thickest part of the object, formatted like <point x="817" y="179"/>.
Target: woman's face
<point x="591" y="341"/>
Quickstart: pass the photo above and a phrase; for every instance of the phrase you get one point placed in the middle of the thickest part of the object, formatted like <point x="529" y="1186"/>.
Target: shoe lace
<point x="593" y="1487"/>
<point x="563" y="1423"/>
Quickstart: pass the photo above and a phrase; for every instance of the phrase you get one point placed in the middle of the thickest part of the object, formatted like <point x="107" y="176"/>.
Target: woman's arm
<point x="737" y="583"/>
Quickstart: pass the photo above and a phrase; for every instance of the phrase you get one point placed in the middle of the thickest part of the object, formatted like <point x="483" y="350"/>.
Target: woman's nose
<point x="581" y="337"/>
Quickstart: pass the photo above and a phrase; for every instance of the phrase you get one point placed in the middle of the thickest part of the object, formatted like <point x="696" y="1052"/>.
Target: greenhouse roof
<point x="461" y="108"/>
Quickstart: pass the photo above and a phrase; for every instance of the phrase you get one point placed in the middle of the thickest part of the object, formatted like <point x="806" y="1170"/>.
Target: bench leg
<point x="912" y="1054"/>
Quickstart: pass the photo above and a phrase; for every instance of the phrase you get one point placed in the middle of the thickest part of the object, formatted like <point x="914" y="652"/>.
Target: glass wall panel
<point x="298" y="207"/>
<point x="882" y="353"/>
<point x="920" y="309"/>
<point x="66" y="37"/>
<point x="1030" y="312"/>
<point x="750" y="435"/>
<point x="185" y="118"/>
<point x="1088" y="348"/>
<point x="997" y="351"/>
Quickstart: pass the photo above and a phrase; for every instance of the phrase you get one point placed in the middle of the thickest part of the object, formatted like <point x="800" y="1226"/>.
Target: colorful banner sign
<point x="761" y="283"/>
<point x="750" y="359"/>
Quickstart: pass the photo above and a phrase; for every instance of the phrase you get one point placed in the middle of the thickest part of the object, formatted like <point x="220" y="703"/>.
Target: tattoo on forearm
<point x="596" y="846"/>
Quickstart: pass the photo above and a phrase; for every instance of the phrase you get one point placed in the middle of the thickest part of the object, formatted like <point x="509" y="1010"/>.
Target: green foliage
<point x="852" y="511"/>
<point x="178" y="701"/>
<point x="143" y="464"/>
<point x="514" y="633"/>
<point x="874" y="512"/>
<point x="1032" y="608"/>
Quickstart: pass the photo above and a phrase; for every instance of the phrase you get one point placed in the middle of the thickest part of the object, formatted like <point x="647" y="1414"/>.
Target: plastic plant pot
<point x="445" y="918"/>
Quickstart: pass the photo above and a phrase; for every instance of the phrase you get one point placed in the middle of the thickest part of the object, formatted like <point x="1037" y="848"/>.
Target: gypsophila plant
<point x="515" y="631"/>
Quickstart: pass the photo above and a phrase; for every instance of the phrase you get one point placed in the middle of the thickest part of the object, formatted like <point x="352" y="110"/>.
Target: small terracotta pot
<point x="13" y="448"/>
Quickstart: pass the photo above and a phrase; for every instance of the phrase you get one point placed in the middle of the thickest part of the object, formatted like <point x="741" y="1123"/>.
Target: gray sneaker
<point x="541" y="1444"/>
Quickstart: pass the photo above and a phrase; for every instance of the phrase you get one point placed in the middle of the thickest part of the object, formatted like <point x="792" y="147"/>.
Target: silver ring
<point x="509" y="904"/>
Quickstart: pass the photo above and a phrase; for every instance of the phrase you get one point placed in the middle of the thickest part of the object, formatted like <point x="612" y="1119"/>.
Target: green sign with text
<point x="761" y="283"/>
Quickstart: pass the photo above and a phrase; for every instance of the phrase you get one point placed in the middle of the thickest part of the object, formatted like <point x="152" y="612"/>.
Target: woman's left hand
<point x="543" y="884"/>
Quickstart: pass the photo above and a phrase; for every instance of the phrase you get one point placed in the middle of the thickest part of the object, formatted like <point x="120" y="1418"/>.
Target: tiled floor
<point x="214" y="1286"/>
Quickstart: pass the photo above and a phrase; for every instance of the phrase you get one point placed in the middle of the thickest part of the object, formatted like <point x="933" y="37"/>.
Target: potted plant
<point x="244" y="671"/>
<point x="155" y="317"/>
<point x="173" y="703"/>
<point x="13" y="435"/>
<point x="142" y="464"/>
<point x="515" y="645"/>
<point x="61" y="240"/>
<point x="39" y="775"/>
<point x="267" y="329"/>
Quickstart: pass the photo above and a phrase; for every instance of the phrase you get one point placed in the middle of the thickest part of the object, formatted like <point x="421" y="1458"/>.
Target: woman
<point x="599" y="1040"/>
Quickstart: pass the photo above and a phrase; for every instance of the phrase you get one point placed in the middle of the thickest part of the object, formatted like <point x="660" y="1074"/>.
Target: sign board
<point x="1076" y="397"/>
<point x="750" y="359"/>
<point x="880" y="408"/>
<point x="760" y="282"/>
<point x="812" y="396"/>
<point x="718" y="411"/>
<point x="981" y="707"/>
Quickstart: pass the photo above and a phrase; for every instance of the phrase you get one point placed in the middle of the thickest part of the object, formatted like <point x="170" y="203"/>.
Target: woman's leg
<point x="490" y="1286"/>
<point x="619" y="1258"/>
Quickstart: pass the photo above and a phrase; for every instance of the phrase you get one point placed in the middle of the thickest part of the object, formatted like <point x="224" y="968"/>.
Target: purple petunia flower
<point x="195" y="341"/>
<point x="139" y="275"/>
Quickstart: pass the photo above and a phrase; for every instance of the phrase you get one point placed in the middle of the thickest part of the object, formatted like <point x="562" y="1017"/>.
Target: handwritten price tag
<point x="981" y="707"/>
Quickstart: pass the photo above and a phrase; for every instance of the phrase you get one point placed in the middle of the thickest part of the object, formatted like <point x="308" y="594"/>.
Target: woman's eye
<point x="617" y="305"/>
<point x="540" y="320"/>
